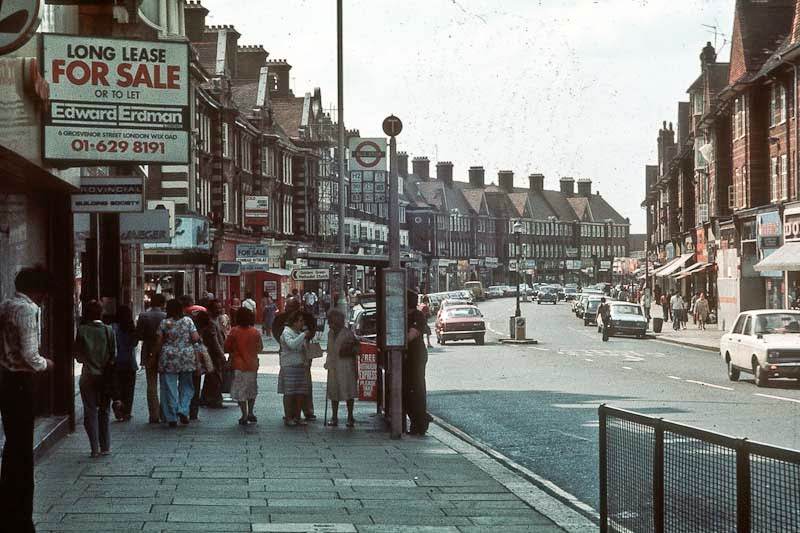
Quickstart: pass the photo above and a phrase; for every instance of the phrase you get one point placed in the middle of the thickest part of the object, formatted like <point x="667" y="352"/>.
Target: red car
<point x="460" y="322"/>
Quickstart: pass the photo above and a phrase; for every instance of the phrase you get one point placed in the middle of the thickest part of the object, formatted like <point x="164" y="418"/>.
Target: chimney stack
<point x="279" y="77"/>
<point x="536" y="182"/>
<point x="505" y="179"/>
<point x="444" y="172"/>
<point x="585" y="187"/>
<point x="249" y="62"/>
<point x="195" y="20"/>
<point x="477" y="177"/>
<point x="402" y="164"/>
<point x="421" y="167"/>
<point x="567" y="185"/>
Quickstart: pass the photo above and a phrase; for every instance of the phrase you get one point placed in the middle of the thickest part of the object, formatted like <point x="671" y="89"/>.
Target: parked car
<point x="626" y="319"/>
<point x="765" y="343"/>
<point x="459" y="322"/>
<point x="547" y="295"/>
<point x="365" y="324"/>
<point x="590" y="311"/>
<point x="476" y="287"/>
<point x="509" y="290"/>
<point x="495" y="291"/>
<point x="570" y="294"/>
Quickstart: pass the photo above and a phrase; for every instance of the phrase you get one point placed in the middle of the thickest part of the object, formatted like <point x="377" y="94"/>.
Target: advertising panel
<point x="256" y="210"/>
<point x="116" y="100"/>
<point x="150" y="226"/>
<point x="253" y="257"/>
<point x="191" y="233"/>
<point x="109" y="195"/>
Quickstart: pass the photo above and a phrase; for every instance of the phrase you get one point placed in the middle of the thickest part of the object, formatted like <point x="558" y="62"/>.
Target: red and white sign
<point x="368" y="373"/>
<point x="116" y="100"/>
<point x="367" y="154"/>
<point x="256" y="210"/>
<point x="18" y="22"/>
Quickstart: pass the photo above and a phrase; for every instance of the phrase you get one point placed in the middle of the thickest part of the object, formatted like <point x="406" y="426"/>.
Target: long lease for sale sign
<point x="116" y="100"/>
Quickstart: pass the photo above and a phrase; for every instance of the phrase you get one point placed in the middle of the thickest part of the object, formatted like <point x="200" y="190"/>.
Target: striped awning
<point x="672" y="266"/>
<point x="694" y="269"/>
<point x="786" y="258"/>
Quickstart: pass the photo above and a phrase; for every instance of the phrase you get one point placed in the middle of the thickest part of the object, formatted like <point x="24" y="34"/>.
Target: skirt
<point x="292" y="380"/>
<point x="244" y="386"/>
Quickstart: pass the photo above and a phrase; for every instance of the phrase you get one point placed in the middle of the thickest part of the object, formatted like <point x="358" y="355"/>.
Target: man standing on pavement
<point x="310" y="299"/>
<point x="676" y="304"/>
<point x="415" y="393"/>
<point x="147" y="329"/>
<point x="19" y="359"/>
<point x="604" y="315"/>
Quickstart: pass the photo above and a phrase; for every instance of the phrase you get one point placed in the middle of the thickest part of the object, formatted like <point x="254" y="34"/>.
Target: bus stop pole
<point x="342" y="288"/>
<point x="396" y="353"/>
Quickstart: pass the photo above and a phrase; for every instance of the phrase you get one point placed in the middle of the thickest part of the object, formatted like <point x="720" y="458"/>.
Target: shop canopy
<point x="672" y="266"/>
<point x="787" y="257"/>
<point x="694" y="269"/>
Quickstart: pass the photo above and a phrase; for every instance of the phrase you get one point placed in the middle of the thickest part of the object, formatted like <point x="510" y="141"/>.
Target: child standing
<point x="244" y="344"/>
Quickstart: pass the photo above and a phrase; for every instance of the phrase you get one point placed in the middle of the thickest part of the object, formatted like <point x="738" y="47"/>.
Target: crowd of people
<point x="665" y="306"/>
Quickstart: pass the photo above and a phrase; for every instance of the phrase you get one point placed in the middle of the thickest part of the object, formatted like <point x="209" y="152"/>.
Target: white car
<point x="765" y="343"/>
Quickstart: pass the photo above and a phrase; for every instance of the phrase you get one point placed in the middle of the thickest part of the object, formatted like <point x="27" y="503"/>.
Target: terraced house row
<point x="722" y="202"/>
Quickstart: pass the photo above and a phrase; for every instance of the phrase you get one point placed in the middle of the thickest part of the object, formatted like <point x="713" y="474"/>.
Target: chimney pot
<point x="536" y="182"/>
<point x="585" y="187"/>
<point x="421" y="167"/>
<point x="477" y="177"/>
<point x="444" y="172"/>
<point x="505" y="179"/>
<point x="402" y="164"/>
<point x="567" y="185"/>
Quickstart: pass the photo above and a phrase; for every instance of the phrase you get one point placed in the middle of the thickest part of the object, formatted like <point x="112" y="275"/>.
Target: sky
<point x="562" y="87"/>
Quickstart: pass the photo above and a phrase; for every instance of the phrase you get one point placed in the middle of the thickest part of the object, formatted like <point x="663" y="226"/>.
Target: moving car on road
<point x="547" y="295"/>
<point x="495" y="291"/>
<point x="476" y="287"/>
<point x="459" y="322"/>
<point x="590" y="311"/>
<point x="765" y="343"/>
<point x="626" y="319"/>
<point x="570" y="293"/>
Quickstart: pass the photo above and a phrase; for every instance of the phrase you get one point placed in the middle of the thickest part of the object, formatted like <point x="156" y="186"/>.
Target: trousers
<point x="177" y="391"/>
<point x="153" y="406"/>
<point x="95" y="412"/>
<point x="16" y="473"/>
<point x="126" y="384"/>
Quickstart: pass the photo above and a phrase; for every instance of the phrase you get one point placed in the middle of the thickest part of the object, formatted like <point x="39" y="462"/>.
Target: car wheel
<point x="538" y="302"/>
<point x="479" y="340"/>
<point x="760" y="375"/>
<point x="733" y="372"/>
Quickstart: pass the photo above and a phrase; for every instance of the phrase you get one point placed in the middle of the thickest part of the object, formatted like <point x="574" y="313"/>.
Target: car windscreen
<point x="463" y="312"/>
<point x="777" y="323"/>
<point x="626" y="310"/>
<point x="592" y="305"/>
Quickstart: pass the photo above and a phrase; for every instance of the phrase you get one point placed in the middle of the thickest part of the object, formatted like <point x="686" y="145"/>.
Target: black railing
<point x="661" y="476"/>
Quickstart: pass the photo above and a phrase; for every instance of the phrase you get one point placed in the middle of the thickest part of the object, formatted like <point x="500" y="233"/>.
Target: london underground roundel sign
<point x="18" y="22"/>
<point x="368" y="154"/>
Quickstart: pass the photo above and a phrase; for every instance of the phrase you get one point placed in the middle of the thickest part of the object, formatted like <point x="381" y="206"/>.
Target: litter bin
<point x="657" y="324"/>
<point x="519" y="328"/>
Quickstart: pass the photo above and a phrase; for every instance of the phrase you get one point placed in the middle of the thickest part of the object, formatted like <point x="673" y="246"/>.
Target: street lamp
<point x="517" y="229"/>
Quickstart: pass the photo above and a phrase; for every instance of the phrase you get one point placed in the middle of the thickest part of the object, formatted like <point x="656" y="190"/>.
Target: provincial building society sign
<point x="116" y="101"/>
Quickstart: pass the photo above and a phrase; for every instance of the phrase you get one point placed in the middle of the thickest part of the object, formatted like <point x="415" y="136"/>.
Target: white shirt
<point x="310" y="298"/>
<point x="249" y="304"/>
<point x="20" y="335"/>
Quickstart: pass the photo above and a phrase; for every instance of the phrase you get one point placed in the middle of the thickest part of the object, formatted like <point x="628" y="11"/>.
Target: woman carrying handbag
<point x="95" y="348"/>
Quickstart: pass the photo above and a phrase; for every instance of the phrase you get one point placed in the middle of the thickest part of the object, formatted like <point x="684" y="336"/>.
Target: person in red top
<point x="244" y="344"/>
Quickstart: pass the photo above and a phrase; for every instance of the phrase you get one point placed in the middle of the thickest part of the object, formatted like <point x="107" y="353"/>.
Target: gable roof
<point x="476" y="200"/>
<point x="288" y="112"/>
<point x="602" y="210"/>
<point x="759" y="29"/>
<point x="245" y="95"/>
<point x="580" y="205"/>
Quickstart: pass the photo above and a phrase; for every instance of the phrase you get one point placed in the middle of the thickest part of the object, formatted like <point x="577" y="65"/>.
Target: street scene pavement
<point x="214" y="475"/>
<point x="537" y="404"/>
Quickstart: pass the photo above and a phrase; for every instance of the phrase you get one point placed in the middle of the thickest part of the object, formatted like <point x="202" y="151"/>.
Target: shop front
<point x="770" y="232"/>
<point x="727" y="273"/>
<point x="784" y="291"/>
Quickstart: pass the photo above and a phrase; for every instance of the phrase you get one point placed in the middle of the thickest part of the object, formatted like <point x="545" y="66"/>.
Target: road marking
<point x="538" y="348"/>
<point x="675" y="377"/>
<point x="777" y="397"/>
<point x="703" y="383"/>
<point x="627" y="368"/>
<point x="590" y="360"/>
<point x="572" y="435"/>
<point x="594" y="424"/>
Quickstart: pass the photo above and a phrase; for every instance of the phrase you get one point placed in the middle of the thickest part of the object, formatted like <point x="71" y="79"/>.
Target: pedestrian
<point x="685" y="312"/>
<point x="296" y="296"/>
<point x="147" y="330"/>
<point x="292" y="382"/>
<point x="235" y="305"/>
<point x="342" y="366"/>
<point x="415" y="401"/>
<point x="220" y="318"/>
<point x="19" y="361"/>
<point x="244" y="344"/>
<point x="214" y="339"/>
<point x="177" y="363"/>
<point x="96" y="350"/>
<point x="249" y="303"/>
<point x="692" y="310"/>
<point x="269" y="310"/>
<point x="645" y="301"/>
<point x="189" y="305"/>
<point x="425" y="307"/>
<point x="676" y="304"/>
<point x="701" y="310"/>
<point x="125" y="366"/>
<point x="604" y="317"/>
<point x="310" y="300"/>
<point x="665" y="305"/>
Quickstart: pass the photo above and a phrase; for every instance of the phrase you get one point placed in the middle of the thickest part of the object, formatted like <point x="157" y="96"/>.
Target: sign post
<point x="395" y="290"/>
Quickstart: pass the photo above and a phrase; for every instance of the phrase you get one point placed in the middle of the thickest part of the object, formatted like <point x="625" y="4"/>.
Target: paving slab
<point x="214" y="475"/>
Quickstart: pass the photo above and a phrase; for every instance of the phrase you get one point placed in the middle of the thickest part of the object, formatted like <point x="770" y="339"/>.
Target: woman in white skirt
<point x="292" y="379"/>
<point x="342" y="366"/>
<point x="244" y="344"/>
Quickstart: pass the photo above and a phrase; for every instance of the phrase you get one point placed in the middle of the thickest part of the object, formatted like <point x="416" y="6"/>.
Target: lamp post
<point x="517" y="228"/>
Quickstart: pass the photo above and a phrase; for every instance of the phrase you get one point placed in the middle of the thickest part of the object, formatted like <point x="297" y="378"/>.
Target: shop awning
<point x="672" y="266"/>
<point x="787" y="257"/>
<point x="694" y="269"/>
<point x="280" y="272"/>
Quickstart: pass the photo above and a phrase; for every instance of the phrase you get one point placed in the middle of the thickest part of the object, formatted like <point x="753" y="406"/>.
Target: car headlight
<point x="773" y="354"/>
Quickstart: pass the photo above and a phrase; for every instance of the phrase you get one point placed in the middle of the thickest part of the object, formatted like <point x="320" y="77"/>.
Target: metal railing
<point x="661" y="476"/>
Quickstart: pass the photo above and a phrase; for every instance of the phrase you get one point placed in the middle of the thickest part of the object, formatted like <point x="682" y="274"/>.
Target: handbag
<point x="204" y="362"/>
<point x="313" y="350"/>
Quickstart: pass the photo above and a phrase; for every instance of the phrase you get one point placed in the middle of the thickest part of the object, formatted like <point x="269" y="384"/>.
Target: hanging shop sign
<point x="109" y="195"/>
<point x="791" y="224"/>
<point x="18" y="22"/>
<point x="149" y="226"/>
<point x="701" y="251"/>
<point x="310" y="274"/>
<point x="256" y="210"/>
<point x="769" y="230"/>
<point x="116" y="100"/>
<point x="229" y="268"/>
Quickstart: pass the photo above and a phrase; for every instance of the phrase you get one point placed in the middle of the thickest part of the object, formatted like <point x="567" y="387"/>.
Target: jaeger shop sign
<point x="114" y="100"/>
